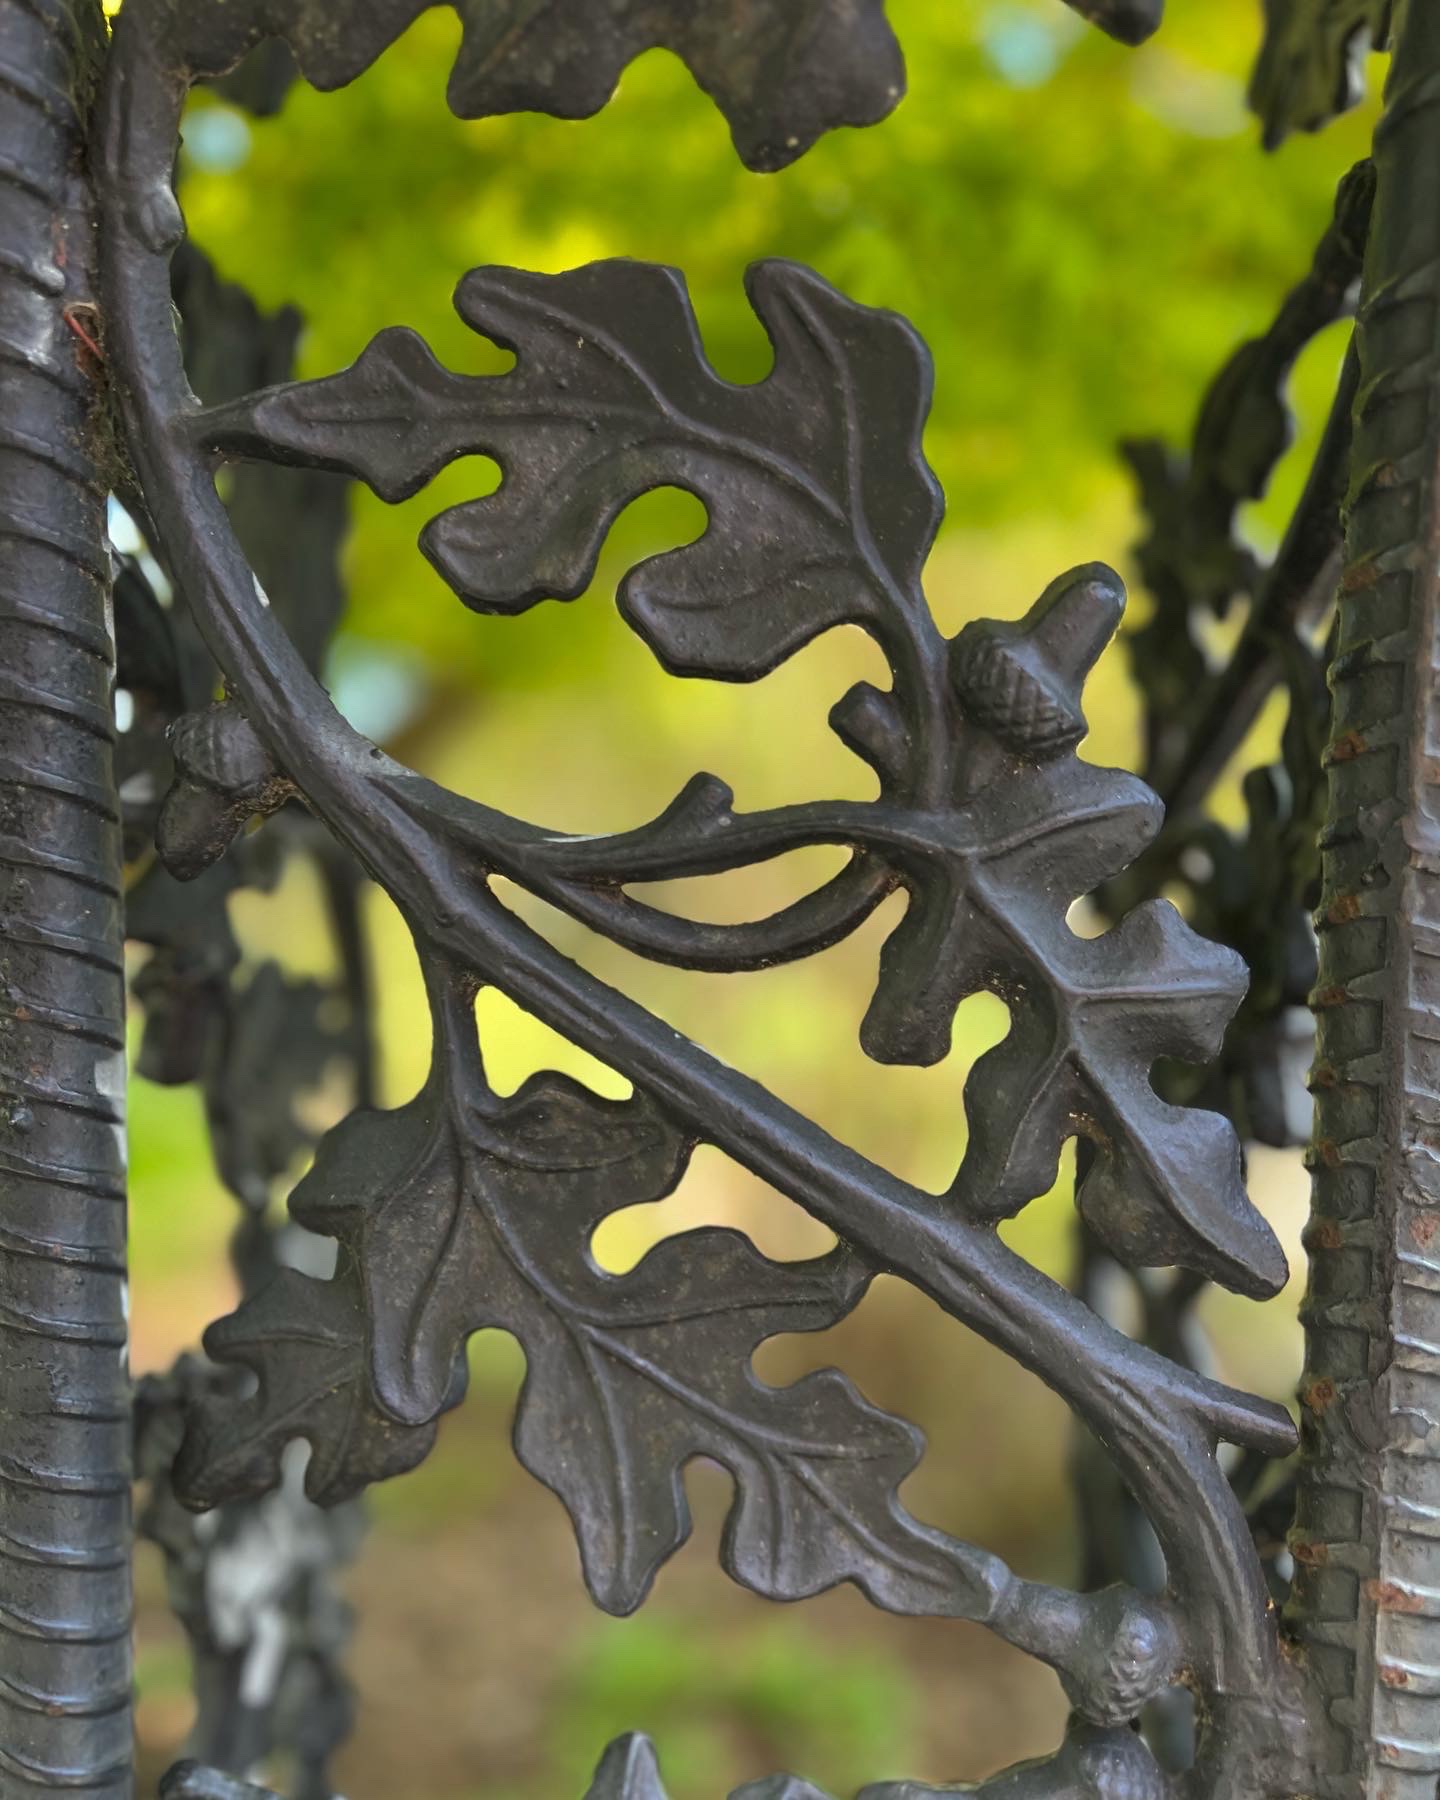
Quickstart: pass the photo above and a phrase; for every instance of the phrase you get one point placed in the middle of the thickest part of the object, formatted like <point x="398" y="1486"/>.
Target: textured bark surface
<point x="64" y="1427"/>
<point x="1367" y="1545"/>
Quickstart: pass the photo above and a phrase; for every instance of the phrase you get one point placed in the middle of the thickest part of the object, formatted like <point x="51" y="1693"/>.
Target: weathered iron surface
<point x="1367" y="1542"/>
<point x="64" y="1405"/>
<point x="1312" y="62"/>
<point x="464" y="1209"/>
<point x="782" y="71"/>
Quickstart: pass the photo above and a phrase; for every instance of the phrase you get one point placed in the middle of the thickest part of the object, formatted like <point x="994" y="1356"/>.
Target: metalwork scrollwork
<point x="461" y="1209"/>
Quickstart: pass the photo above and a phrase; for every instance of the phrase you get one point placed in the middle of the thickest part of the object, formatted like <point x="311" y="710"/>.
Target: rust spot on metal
<point x="1389" y="1596"/>
<point x="1326" y="997"/>
<point x="1393" y="1676"/>
<point x="1310" y="1552"/>
<point x="1423" y="1228"/>
<point x="1318" y="1397"/>
<point x="1347" y="747"/>
<point x="1326" y="1234"/>
<point x="1358" y="576"/>
<point x="72" y="315"/>
<point x="1343" y="908"/>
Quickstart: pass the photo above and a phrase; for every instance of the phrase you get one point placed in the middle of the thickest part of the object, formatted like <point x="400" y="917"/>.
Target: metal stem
<point x="1367" y="1592"/>
<point x="65" y="1610"/>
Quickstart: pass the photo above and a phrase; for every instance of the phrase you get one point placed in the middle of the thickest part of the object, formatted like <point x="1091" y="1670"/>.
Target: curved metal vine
<point x="461" y="1209"/>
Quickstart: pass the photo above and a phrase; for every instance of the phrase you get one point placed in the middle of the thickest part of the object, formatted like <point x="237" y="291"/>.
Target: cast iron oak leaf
<point x="464" y="1210"/>
<point x="783" y="72"/>
<point x="821" y="508"/>
<point x="1090" y="1017"/>
<point x="425" y="1195"/>
<point x="1166" y="1183"/>
<point x="304" y="1340"/>
<point x="992" y="875"/>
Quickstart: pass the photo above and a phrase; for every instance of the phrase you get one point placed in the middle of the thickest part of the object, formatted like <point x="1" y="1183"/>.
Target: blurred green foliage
<point x="1081" y="233"/>
<point x="825" y="1712"/>
<point x="1078" y="230"/>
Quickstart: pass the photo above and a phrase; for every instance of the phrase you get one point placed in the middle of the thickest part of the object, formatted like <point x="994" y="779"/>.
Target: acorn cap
<point x="224" y="775"/>
<point x="1021" y="681"/>
<point x="220" y="749"/>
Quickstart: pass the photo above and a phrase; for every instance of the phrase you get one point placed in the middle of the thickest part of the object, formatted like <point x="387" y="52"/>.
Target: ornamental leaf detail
<point x="992" y="874"/>
<point x="464" y="1210"/>
<point x="457" y="1206"/>
<point x="1165" y="1184"/>
<point x="1094" y="1763"/>
<point x="782" y="72"/>
<point x="821" y="512"/>
<point x="821" y="508"/>
<point x="304" y="1341"/>
<point x="1090" y="1017"/>
<point x="468" y="1210"/>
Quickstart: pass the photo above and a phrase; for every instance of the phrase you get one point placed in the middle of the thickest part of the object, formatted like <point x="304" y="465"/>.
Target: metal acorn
<point x="224" y="775"/>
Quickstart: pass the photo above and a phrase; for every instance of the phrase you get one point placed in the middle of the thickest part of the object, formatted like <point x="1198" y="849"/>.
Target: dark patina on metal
<point x="463" y="1208"/>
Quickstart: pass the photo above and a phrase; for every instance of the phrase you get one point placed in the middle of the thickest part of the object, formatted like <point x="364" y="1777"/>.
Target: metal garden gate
<point x="1292" y="1647"/>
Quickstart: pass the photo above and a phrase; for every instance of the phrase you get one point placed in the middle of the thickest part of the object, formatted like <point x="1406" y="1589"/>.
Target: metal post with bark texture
<point x="1367" y="1540"/>
<point x="64" y="1391"/>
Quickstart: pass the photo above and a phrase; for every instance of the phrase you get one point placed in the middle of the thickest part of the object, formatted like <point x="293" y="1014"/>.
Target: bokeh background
<point x="1081" y="232"/>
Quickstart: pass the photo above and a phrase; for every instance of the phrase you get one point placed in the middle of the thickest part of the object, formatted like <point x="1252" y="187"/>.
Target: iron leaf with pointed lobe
<point x="428" y="1196"/>
<point x="984" y="914"/>
<point x="1090" y="1017"/>
<point x="463" y="1211"/>
<point x="783" y="72"/>
<point x="668" y="1378"/>
<point x="1037" y="829"/>
<point x="821" y="508"/>
<point x="304" y="1340"/>
<point x="629" y="1770"/>
<point x="1166" y="1183"/>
